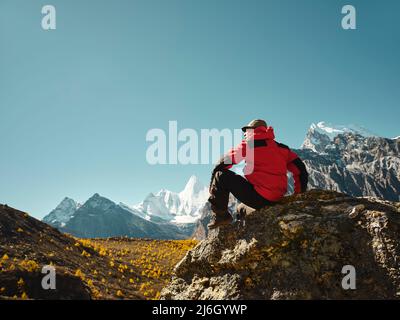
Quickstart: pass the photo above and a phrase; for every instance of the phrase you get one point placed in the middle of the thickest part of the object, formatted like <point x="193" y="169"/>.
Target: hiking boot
<point x="220" y="220"/>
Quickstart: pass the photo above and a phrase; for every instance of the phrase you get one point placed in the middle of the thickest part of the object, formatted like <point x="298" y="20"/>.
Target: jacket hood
<point x="261" y="133"/>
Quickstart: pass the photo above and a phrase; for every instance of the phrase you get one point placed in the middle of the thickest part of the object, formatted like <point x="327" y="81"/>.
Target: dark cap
<point x="254" y="124"/>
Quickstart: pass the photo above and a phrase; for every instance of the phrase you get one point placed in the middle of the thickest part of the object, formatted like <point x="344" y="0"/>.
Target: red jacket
<point x="267" y="164"/>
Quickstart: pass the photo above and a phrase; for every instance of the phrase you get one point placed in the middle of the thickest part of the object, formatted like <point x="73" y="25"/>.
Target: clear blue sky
<point x="76" y="103"/>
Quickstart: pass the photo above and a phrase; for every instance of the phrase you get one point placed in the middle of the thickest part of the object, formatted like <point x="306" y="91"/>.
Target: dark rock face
<point x="355" y="165"/>
<point x="296" y="250"/>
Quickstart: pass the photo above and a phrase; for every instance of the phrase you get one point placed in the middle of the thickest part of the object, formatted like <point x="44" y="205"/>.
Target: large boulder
<point x="297" y="249"/>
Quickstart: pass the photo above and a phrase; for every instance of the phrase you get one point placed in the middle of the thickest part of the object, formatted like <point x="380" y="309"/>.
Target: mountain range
<point x="164" y="215"/>
<point x="348" y="159"/>
<point x="352" y="160"/>
<point x="182" y="207"/>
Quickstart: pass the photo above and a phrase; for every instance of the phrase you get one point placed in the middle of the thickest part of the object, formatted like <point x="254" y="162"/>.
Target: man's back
<point x="267" y="168"/>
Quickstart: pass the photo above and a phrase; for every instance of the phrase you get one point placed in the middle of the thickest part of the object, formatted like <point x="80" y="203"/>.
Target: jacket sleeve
<point x="233" y="156"/>
<point x="300" y="175"/>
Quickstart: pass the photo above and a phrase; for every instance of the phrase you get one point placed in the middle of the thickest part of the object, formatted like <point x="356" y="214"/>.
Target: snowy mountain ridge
<point x="321" y="134"/>
<point x="165" y="206"/>
<point x="182" y="207"/>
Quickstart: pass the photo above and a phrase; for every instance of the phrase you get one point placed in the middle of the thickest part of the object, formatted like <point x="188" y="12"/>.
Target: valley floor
<point x="114" y="268"/>
<point x="144" y="265"/>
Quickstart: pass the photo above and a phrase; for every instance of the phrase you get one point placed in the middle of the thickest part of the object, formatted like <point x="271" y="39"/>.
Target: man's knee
<point x="223" y="176"/>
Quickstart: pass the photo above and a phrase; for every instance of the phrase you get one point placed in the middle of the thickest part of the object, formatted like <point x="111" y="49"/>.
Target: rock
<point x="296" y="250"/>
<point x="356" y="210"/>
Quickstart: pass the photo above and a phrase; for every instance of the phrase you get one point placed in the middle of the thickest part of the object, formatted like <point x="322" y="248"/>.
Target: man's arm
<point x="297" y="167"/>
<point x="232" y="157"/>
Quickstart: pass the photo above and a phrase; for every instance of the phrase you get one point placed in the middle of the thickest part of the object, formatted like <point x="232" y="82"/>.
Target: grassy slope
<point x="117" y="268"/>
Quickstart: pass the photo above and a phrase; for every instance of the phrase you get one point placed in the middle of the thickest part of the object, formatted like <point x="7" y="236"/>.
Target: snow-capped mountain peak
<point x="192" y="197"/>
<point x="98" y="202"/>
<point x="182" y="207"/>
<point x="192" y="188"/>
<point x="321" y="134"/>
<point x="333" y="130"/>
<point x="63" y="212"/>
<point x="153" y="205"/>
<point x="67" y="203"/>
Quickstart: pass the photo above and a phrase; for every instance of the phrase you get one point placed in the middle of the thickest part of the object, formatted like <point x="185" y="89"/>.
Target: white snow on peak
<point x="322" y="133"/>
<point x="333" y="130"/>
<point x="132" y="210"/>
<point x="193" y="186"/>
<point x="63" y="212"/>
<point x="182" y="207"/>
<point x="193" y="196"/>
<point x="154" y="205"/>
<point x="396" y="138"/>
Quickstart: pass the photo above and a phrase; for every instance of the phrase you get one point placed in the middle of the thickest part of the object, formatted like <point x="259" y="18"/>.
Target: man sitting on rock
<point x="265" y="173"/>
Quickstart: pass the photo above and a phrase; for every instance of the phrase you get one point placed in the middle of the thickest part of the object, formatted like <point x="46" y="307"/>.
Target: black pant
<point x="225" y="182"/>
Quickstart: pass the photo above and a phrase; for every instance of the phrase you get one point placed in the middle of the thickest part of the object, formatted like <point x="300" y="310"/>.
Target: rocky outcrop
<point x="200" y="228"/>
<point x="297" y="250"/>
